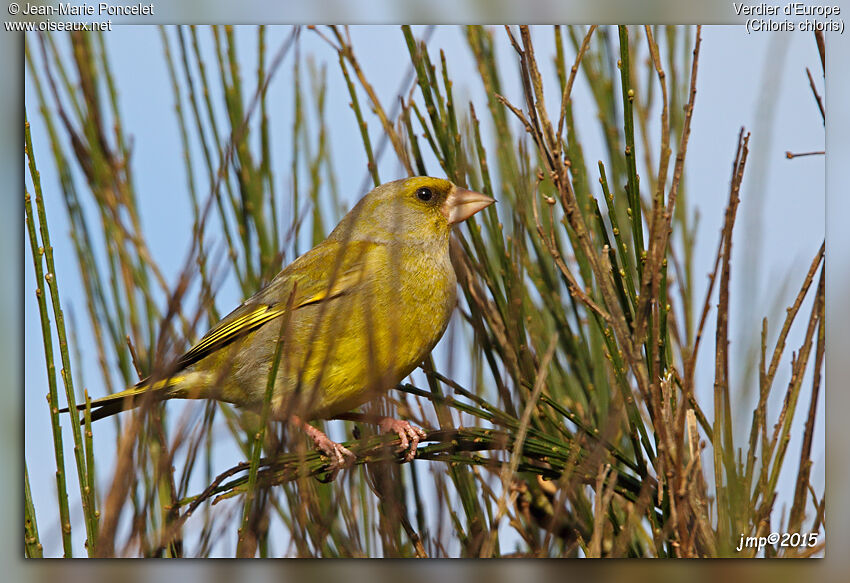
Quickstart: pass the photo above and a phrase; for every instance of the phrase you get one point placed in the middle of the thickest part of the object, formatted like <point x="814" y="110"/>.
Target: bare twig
<point x="817" y="95"/>
<point x="791" y="155"/>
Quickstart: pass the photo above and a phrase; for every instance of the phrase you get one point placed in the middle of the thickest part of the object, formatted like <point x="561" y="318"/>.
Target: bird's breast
<point x="388" y="329"/>
<point x="344" y="351"/>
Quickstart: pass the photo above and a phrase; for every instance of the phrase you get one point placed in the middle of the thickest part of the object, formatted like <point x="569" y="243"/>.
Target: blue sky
<point x="757" y="81"/>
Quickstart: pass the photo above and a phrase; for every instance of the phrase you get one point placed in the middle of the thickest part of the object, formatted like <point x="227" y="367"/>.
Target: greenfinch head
<point x="410" y="210"/>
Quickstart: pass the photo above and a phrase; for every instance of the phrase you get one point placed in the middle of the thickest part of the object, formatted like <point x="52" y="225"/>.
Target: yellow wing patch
<point x="229" y="331"/>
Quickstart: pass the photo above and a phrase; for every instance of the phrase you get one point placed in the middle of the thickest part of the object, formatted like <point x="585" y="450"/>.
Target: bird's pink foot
<point x="409" y="435"/>
<point x="339" y="455"/>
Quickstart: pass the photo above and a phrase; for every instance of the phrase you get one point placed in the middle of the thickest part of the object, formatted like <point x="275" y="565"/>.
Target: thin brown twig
<point x="791" y="155"/>
<point x="798" y="506"/>
<point x="568" y="88"/>
<point x="817" y="95"/>
<point x="605" y="480"/>
<point x="572" y="283"/>
<point x="791" y="313"/>
<point x="721" y="430"/>
<point x="821" y="49"/>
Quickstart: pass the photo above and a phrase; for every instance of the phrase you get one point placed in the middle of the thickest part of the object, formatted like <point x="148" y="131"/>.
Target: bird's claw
<point x="340" y="456"/>
<point x="407" y="433"/>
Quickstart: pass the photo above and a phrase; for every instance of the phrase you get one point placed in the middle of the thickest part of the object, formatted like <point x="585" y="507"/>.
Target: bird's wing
<point x="328" y="271"/>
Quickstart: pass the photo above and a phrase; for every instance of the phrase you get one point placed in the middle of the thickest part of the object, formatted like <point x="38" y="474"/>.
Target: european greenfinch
<point x="352" y="317"/>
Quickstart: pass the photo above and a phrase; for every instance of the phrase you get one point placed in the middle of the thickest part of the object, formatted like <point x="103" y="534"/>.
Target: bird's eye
<point x="424" y="194"/>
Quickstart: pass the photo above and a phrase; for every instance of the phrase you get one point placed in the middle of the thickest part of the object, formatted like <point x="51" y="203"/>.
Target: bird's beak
<point x="462" y="204"/>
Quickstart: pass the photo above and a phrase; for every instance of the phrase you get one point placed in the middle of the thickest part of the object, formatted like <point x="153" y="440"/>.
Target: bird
<point x="345" y="322"/>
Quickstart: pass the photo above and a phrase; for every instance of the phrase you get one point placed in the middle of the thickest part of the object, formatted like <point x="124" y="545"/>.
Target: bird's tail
<point x="132" y="397"/>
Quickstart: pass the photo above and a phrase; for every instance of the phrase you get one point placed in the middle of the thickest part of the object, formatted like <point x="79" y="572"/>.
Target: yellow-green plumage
<point x="357" y="313"/>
